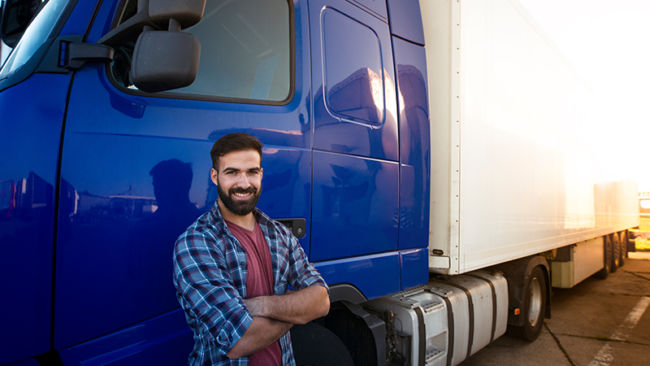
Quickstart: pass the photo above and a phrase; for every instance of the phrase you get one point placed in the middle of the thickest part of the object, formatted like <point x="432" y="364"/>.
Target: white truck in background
<point x="512" y="170"/>
<point x="516" y="206"/>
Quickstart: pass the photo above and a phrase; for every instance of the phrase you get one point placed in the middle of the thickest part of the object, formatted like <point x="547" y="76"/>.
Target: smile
<point x="243" y="195"/>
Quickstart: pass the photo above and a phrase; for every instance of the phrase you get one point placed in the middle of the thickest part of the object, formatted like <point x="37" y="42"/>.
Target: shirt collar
<point x="260" y="216"/>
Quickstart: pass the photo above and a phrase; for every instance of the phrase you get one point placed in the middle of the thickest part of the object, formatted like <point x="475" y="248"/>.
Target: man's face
<point x="239" y="181"/>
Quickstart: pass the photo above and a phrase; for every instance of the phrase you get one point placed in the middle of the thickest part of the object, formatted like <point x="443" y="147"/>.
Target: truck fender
<point x="350" y="297"/>
<point x="517" y="273"/>
<point x="346" y="292"/>
<point x="376" y="326"/>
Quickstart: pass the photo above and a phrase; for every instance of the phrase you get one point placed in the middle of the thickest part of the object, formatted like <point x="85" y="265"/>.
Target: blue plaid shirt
<point x="210" y="279"/>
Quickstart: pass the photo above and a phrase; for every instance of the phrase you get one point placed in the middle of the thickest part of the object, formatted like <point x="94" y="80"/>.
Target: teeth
<point x="241" y="194"/>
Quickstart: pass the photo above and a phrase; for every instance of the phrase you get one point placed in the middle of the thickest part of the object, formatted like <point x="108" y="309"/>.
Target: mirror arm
<point x="76" y="55"/>
<point x="174" y="26"/>
<point x="130" y="28"/>
<point x="155" y="14"/>
<point x="69" y="53"/>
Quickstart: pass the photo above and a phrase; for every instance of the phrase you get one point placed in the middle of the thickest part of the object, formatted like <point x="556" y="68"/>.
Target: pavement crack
<point x="557" y="341"/>
<point x="604" y="339"/>
<point x="637" y="274"/>
<point x="619" y="294"/>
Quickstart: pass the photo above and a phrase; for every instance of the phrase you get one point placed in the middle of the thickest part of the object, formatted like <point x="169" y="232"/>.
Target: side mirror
<point x="16" y="15"/>
<point x="162" y="59"/>
<point x="165" y="60"/>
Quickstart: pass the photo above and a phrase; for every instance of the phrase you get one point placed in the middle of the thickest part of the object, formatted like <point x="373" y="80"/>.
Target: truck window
<point x="35" y="35"/>
<point x="245" y="51"/>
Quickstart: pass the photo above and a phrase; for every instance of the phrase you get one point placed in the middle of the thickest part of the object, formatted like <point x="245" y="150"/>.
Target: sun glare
<point x="606" y="44"/>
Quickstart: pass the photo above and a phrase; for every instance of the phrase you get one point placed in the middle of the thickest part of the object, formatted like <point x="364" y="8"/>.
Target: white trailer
<point x="512" y="173"/>
<point x="516" y="201"/>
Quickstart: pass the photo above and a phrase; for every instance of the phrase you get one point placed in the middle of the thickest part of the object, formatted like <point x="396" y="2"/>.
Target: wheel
<point x="318" y="346"/>
<point x="623" y="248"/>
<point x="631" y="241"/>
<point x="616" y="246"/>
<point x="534" y="307"/>
<point x="607" y="258"/>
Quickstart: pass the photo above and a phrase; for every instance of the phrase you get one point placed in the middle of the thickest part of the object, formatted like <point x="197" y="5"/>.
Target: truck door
<point x="136" y="166"/>
<point x="356" y="174"/>
<point x="32" y="112"/>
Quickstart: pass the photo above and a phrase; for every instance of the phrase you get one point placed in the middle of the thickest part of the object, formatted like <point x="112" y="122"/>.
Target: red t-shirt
<point x="259" y="282"/>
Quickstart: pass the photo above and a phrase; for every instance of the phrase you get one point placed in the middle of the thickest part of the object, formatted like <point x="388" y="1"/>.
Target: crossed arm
<point x="274" y="315"/>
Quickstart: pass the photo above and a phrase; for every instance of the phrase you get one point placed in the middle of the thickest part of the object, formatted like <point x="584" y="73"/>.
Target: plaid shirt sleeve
<point x="302" y="272"/>
<point x="212" y="304"/>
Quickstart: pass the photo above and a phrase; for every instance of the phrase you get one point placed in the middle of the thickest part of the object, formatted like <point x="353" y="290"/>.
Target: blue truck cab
<point x="100" y="176"/>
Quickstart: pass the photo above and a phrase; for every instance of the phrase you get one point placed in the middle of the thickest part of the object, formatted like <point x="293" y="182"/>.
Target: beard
<point x="237" y="207"/>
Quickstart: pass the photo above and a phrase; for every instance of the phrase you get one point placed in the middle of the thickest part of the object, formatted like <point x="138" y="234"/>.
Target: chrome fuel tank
<point x="450" y="318"/>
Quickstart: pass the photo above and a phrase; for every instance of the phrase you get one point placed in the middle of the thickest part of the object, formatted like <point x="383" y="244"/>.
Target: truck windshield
<point x="38" y="31"/>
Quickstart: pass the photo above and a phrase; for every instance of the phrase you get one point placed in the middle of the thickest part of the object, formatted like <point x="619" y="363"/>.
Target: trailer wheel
<point x="623" y="248"/>
<point x="616" y="252"/>
<point x="534" y="308"/>
<point x="607" y="260"/>
<point x="318" y="346"/>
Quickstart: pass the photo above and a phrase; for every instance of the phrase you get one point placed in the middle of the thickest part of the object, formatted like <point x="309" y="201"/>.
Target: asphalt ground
<point x="596" y="323"/>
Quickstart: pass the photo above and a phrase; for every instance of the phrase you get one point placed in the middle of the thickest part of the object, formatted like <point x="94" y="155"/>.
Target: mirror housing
<point x="165" y="60"/>
<point x="15" y="17"/>
<point x="187" y="12"/>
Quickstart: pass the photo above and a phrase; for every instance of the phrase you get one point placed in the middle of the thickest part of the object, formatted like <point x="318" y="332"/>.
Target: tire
<point x="631" y="241"/>
<point x="534" y="307"/>
<point x="623" y="248"/>
<point x="616" y="246"/>
<point x="318" y="346"/>
<point x="607" y="258"/>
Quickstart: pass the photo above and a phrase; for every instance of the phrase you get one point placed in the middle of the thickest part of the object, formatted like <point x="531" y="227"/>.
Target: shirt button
<point x="241" y="263"/>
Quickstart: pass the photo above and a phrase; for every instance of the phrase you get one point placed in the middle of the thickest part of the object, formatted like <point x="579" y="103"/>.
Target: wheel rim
<point x="534" y="301"/>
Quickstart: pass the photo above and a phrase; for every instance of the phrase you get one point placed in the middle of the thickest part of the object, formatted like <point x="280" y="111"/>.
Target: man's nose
<point x="243" y="181"/>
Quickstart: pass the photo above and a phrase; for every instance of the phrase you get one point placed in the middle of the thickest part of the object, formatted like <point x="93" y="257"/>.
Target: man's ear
<point x="213" y="175"/>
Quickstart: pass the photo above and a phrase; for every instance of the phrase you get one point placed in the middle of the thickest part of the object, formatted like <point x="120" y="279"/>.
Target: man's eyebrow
<point x="231" y="169"/>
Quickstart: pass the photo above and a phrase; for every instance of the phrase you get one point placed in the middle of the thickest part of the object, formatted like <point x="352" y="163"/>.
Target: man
<point x="233" y="265"/>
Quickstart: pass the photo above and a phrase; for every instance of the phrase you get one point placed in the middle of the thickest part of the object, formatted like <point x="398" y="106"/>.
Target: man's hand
<point x="296" y="307"/>
<point x="255" y="305"/>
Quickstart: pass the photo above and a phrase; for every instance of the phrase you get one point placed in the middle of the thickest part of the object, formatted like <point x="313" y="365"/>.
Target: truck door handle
<point x="297" y="226"/>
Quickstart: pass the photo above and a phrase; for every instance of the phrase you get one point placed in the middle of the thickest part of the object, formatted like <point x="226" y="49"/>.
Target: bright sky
<point x="608" y="42"/>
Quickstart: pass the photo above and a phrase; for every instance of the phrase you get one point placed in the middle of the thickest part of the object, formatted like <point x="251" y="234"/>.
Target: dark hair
<point x="238" y="141"/>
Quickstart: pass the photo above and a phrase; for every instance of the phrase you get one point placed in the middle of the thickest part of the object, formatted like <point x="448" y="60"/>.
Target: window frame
<point x="207" y="98"/>
<point x="31" y="67"/>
